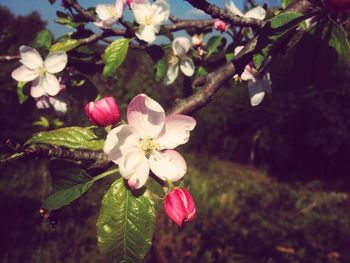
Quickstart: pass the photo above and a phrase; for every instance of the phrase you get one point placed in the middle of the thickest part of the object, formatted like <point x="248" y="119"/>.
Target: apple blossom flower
<point x="147" y="142"/>
<point x="39" y="71"/>
<point x="256" y="12"/>
<point x="150" y="17"/>
<point x="220" y="25"/>
<point x="179" y="206"/>
<point x="109" y="14"/>
<point x="257" y="87"/>
<point x="103" y="112"/>
<point x="180" y="47"/>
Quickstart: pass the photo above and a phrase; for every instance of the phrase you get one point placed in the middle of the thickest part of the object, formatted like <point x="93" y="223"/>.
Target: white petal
<point x="50" y="84"/>
<point x="171" y="75"/>
<point x="24" y="74"/>
<point x="55" y="62"/>
<point x="60" y="106"/>
<point x="176" y="131"/>
<point x="146" y="33"/>
<point x="119" y="8"/>
<point x="248" y="73"/>
<point x="233" y="8"/>
<point x="135" y="168"/>
<point x="257" y="12"/>
<point x="168" y="164"/>
<point x="256" y="92"/>
<point x="37" y="89"/>
<point x="120" y="141"/>
<point x="181" y="45"/>
<point x="187" y="66"/>
<point x="146" y="116"/>
<point x="105" y="12"/>
<point x="109" y="22"/>
<point x="140" y="11"/>
<point x="30" y="57"/>
<point x="162" y="12"/>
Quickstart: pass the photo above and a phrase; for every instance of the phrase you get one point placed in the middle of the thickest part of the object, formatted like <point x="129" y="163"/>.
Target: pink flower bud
<point x="103" y="112"/>
<point x="179" y="206"/>
<point x="220" y="25"/>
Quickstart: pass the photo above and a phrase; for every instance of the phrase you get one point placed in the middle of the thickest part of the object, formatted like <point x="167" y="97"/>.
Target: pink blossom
<point x="220" y="25"/>
<point x="147" y="143"/>
<point x="103" y="112"/>
<point x="179" y="206"/>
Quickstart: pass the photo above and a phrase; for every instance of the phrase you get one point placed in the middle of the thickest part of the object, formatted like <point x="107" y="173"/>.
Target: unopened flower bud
<point x="179" y="206"/>
<point x="103" y="112"/>
<point x="220" y="25"/>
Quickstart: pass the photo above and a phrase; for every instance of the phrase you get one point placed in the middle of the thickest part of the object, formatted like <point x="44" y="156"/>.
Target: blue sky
<point x="180" y="8"/>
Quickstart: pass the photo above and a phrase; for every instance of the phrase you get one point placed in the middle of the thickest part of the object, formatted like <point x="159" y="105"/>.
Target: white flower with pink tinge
<point x="148" y="142"/>
<point x="109" y="14"/>
<point x="39" y="71"/>
<point x="257" y="87"/>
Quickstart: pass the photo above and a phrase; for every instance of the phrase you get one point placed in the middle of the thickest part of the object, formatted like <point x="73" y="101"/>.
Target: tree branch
<point x="9" y="58"/>
<point x="225" y="15"/>
<point x="212" y="82"/>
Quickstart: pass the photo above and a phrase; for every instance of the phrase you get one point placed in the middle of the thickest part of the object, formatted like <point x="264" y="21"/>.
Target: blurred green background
<point x="270" y="182"/>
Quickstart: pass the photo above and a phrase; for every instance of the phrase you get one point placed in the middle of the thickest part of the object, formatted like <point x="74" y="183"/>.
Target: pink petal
<point x="146" y="116"/>
<point x="119" y="142"/>
<point x="176" y="131"/>
<point x="168" y="164"/>
<point x="134" y="167"/>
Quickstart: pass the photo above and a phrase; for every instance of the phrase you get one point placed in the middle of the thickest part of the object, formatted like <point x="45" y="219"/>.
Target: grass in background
<point x="243" y="216"/>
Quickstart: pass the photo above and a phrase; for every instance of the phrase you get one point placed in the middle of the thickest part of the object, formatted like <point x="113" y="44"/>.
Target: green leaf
<point x="161" y="68"/>
<point x="126" y="224"/>
<point x="66" y="45"/>
<point x="69" y="183"/>
<point x="70" y="137"/>
<point x="340" y="42"/>
<point x="215" y="44"/>
<point x="283" y="19"/>
<point x="258" y="60"/>
<point x="115" y="55"/>
<point x="23" y="91"/>
<point x="42" y="122"/>
<point x="43" y="39"/>
<point x="286" y="3"/>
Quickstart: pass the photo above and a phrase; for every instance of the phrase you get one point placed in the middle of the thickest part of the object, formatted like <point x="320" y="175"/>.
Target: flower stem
<point x="105" y="174"/>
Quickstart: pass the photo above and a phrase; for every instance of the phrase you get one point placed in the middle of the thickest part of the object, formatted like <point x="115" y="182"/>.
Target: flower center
<point x="41" y="71"/>
<point x="148" y="20"/>
<point x="173" y="59"/>
<point x="148" y="145"/>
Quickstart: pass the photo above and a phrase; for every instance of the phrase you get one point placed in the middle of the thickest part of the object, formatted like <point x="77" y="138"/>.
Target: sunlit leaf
<point x="126" y="224"/>
<point x="114" y="55"/>
<point x="66" y="45"/>
<point x="70" y="137"/>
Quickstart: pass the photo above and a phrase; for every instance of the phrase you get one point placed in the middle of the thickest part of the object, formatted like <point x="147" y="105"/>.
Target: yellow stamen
<point x="148" y="145"/>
